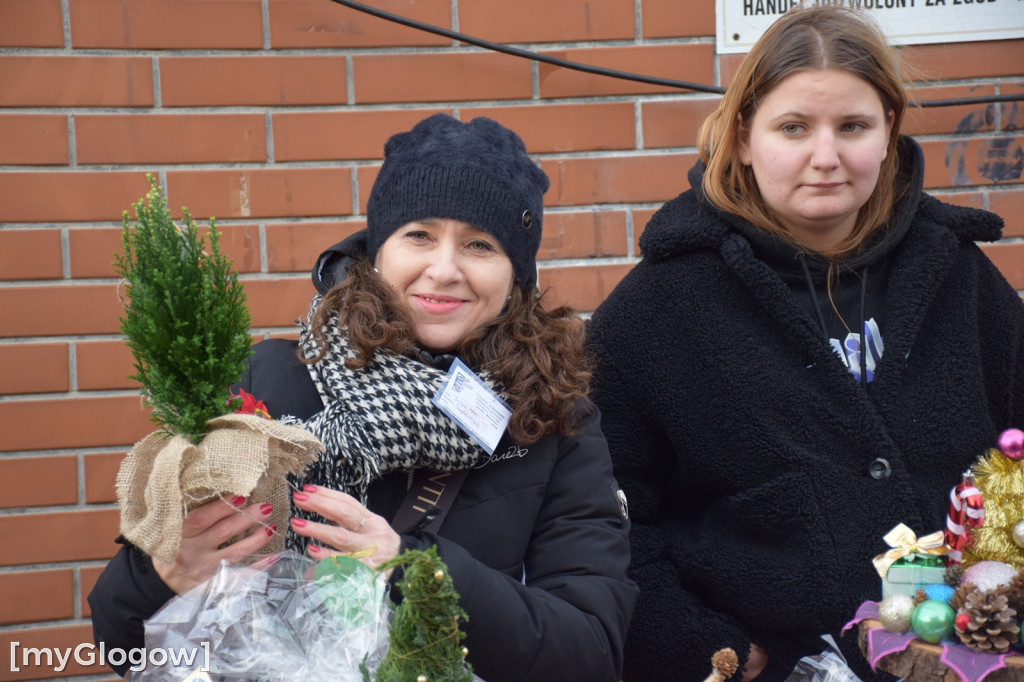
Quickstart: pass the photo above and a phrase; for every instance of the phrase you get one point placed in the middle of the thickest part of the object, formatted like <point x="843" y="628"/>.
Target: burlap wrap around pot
<point x="164" y="476"/>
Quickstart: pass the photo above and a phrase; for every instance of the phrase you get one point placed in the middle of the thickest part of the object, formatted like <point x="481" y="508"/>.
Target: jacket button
<point x="879" y="469"/>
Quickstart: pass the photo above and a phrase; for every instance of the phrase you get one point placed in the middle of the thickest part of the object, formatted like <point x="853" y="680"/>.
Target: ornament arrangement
<point x="965" y="584"/>
<point x="187" y="326"/>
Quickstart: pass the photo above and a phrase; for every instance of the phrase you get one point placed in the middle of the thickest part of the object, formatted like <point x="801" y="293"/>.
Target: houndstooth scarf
<point x="380" y="418"/>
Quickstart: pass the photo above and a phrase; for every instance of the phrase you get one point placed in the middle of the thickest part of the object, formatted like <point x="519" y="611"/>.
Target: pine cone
<point x="1015" y="591"/>
<point x="954" y="573"/>
<point x="993" y="624"/>
<point x="920" y="597"/>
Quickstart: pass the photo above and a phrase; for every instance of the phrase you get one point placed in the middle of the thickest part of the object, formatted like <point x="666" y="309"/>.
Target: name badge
<point x="471" y="404"/>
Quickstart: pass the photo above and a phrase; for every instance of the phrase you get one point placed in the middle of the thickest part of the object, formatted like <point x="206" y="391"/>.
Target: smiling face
<point x="815" y="146"/>
<point x="452" y="276"/>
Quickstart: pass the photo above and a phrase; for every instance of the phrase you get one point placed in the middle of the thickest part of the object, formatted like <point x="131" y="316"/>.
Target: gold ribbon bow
<point x="904" y="542"/>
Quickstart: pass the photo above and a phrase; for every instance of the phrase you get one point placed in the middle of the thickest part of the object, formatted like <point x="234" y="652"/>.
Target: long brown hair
<point x="535" y="354"/>
<point x="803" y="39"/>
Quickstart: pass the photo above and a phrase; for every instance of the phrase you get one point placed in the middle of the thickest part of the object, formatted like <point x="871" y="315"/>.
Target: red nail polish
<point x="270" y="531"/>
<point x="237" y="501"/>
<point x="300" y="497"/>
<point x="265" y="509"/>
<point x="298" y="523"/>
<point x="315" y="549"/>
<point x="309" y="488"/>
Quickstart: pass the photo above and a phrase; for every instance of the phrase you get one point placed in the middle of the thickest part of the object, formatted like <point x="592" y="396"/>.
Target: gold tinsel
<point x="1001" y="482"/>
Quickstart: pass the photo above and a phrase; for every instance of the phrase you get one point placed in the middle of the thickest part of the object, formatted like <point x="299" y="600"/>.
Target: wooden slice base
<point x="919" y="662"/>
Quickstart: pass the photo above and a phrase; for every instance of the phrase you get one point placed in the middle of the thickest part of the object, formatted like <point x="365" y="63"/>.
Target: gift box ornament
<point x="912" y="563"/>
<point x="912" y="573"/>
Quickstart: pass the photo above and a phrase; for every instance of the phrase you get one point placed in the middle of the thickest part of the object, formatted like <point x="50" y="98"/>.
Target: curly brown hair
<point x="535" y="354"/>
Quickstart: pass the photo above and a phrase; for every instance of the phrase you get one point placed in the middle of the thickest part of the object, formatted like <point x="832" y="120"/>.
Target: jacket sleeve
<point x="127" y="592"/>
<point x="567" y="618"/>
<point x="673" y="633"/>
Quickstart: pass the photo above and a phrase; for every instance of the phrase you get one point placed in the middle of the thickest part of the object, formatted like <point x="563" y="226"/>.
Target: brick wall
<point x="271" y="115"/>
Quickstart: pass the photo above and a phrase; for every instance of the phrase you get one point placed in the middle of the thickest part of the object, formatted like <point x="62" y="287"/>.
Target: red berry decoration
<point x="962" y="621"/>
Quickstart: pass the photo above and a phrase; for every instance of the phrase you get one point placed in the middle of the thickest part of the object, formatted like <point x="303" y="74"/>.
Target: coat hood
<point x="331" y="265"/>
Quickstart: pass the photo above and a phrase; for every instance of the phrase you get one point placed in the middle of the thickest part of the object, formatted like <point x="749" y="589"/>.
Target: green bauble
<point x="933" y="621"/>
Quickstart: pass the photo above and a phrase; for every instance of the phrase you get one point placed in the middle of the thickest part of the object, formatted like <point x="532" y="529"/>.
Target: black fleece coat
<point x="535" y="541"/>
<point x="746" y="447"/>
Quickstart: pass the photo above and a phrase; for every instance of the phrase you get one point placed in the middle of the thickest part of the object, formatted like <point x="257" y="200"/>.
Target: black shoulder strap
<point x="429" y="498"/>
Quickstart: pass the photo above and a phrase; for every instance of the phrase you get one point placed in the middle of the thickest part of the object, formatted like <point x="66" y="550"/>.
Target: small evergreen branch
<point x="185" y="320"/>
<point x="425" y="636"/>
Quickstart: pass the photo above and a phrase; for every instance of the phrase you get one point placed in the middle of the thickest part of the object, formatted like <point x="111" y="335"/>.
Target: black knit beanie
<point x="477" y="173"/>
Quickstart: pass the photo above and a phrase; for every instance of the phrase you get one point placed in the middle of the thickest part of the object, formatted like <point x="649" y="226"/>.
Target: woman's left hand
<point x="358" y="530"/>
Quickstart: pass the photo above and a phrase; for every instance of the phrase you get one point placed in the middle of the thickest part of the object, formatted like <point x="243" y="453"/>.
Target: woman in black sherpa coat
<point x="763" y="453"/>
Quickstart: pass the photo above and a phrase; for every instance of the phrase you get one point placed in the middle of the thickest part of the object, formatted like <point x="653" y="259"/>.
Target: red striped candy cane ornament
<point x="966" y="510"/>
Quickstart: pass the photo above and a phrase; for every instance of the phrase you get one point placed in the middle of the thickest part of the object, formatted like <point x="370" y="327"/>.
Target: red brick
<point x="33" y="139"/>
<point x="581" y="181"/>
<point x="673" y="19"/>
<point x="1009" y="258"/>
<point x="727" y="66"/>
<point x="675" y="123"/>
<point x="139" y="24"/>
<point x="583" y="235"/>
<point x="33" y="368"/>
<point x="582" y="287"/>
<point x="691" y="63"/>
<point x="968" y="199"/>
<point x="38" y="481"/>
<point x="948" y="61"/>
<point x="542" y="21"/>
<point x="425" y="77"/>
<point x="33" y="596"/>
<point x="173" y="138"/>
<point x="56" y="310"/>
<point x="30" y="254"/>
<point x="640" y="219"/>
<point x="72" y="423"/>
<point x="100" y="477"/>
<point x="975" y="161"/>
<point x="1010" y="205"/>
<point x="252" y="81"/>
<point x="330" y="135"/>
<point x="59" y="536"/>
<point x="87" y="580"/>
<point x="92" y="250"/>
<point x="68" y="196"/>
<point x="566" y="127"/>
<point x="44" y="81"/>
<point x="314" y="23"/>
<point x="365" y="176"/>
<point x="63" y="638"/>
<point x="104" y="365"/>
<point x="260" y="193"/>
<point x="959" y="119"/>
<point x="31" y="23"/>
<point x="294" y="247"/>
<point x="278" y="303"/>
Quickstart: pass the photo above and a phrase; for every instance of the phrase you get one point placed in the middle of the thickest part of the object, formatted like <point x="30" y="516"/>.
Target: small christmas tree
<point x="999" y="476"/>
<point x="185" y="320"/>
<point x="425" y="636"/>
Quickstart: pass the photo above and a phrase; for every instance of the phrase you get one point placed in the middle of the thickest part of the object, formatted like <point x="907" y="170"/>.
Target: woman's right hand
<point x="203" y="533"/>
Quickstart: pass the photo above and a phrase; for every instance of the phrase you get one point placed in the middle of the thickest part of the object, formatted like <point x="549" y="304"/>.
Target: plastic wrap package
<point x="284" y="618"/>
<point x="828" y="666"/>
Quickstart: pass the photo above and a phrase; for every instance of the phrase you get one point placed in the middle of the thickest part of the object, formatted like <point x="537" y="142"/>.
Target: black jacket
<point x="746" y="447"/>
<point x="535" y="544"/>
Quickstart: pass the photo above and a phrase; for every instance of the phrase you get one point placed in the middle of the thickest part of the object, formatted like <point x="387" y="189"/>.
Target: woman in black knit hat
<point x="520" y="501"/>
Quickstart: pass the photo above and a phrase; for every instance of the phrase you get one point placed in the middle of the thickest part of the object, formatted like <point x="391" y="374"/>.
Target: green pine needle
<point x="185" y="320"/>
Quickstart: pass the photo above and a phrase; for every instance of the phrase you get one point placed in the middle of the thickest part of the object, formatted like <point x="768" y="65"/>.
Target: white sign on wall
<point x="906" y="22"/>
